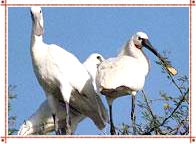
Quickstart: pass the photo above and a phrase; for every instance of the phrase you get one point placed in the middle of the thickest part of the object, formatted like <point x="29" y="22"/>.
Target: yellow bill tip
<point x="171" y="70"/>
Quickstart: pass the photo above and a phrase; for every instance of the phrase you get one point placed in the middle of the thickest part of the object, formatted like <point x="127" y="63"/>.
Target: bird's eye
<point x="98" y="57"/>
<point x="139" y="38"/>
<point x="40" y="11"/>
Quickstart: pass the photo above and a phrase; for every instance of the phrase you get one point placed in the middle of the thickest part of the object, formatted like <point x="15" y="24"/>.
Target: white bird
<point x="60" y="73"/>
<point x="125" y="74"/>
<point x="42" y="121"/>
<point x="91" y="64"/>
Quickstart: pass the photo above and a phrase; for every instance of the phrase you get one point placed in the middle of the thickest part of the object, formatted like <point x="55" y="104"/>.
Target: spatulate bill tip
<point x="171" y="70"/>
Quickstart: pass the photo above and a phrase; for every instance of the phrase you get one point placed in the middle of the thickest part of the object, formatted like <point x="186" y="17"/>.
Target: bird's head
<point x="95" y="59"/>
<point x="26" y="128"/>
<point x="140" y="40"/>
<point x="37" y="18"/>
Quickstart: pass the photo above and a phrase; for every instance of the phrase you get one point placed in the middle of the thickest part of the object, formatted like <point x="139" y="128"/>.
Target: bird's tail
<point x="103" y="110"/>
<point x="90" y="105"/>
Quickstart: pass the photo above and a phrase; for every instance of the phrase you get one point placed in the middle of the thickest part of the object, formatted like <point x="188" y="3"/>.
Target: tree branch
<point x="183" y="98"/>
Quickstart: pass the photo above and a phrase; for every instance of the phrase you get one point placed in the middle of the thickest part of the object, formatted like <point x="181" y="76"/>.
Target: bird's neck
<point x="131" y="50"/>
<point x="37" y="32"/>
<point x="38" y="48"/>
<point x="125" y="50"/>
<point x="36" y="39"/>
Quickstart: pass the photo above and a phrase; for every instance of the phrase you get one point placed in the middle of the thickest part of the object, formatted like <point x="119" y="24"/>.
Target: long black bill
<point x="38" y="29"/>
<point x="32" y="16"/>
<point x="146" y="43"/>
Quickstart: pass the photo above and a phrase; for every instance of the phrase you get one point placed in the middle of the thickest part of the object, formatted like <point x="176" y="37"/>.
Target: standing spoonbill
<point x="125" y="74"/>
<point x="60" y="73"/>
<point x="41" y="122"/>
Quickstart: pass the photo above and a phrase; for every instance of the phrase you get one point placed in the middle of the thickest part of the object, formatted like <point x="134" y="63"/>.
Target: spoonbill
<point x="60" y="73"/>
<point x="125" y="74"/>
<point x="42" y="121"/>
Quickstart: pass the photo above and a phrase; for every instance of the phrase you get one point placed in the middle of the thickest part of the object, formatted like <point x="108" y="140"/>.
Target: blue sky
<point x="84" y="30"/>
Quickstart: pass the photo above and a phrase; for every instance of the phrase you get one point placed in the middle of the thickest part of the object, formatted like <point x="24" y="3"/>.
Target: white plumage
<point x="60" y="73"/>
<point x="91" y="64"/>
<point x="128" y="69"/>
<point x="42" y="121"/>
<point x="121" y="71"/>
<point x="125" y="74"/>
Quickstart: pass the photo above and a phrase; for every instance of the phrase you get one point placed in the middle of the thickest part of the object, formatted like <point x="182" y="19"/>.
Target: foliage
<point x="174" y="118"/>
<point x="11" y="118"/>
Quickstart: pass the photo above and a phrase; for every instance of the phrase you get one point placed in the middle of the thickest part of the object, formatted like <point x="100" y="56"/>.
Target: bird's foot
<point x="56" y="126"/>
<point x="112" y="130"/>
<point x="68" y="121"/>
<point x="68" y="127"/>
<point x="68" y="131"/>
<point x="54" y="119"/>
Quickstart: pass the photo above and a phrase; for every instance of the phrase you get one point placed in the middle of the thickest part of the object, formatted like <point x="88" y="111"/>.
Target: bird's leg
<point x="68" y="122"/>
<point x="64" y="126"/>
<point x="62" y="131"/>
<point x="112" y="128"/>
<point x="66" y="90"/>
<point x="133" y="115"/>
<point x="53" y="104"/>
<point x="55" y="125"/>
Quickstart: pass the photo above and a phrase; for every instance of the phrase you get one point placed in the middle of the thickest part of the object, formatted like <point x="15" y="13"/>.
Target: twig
<point x="179" y="126"/>
<point x="150" y="110"/>
<point x="177" y="106"/>
<point x="172" y="79"/>
<point x="133" y="117"/>
<point x="148" y="106"/>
